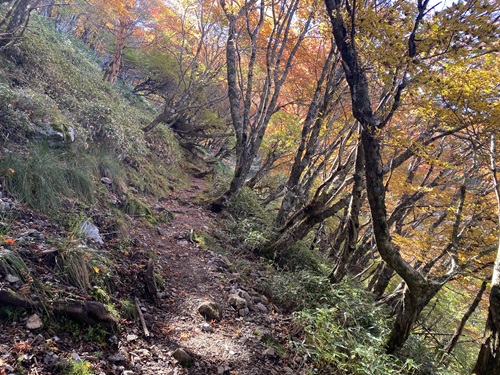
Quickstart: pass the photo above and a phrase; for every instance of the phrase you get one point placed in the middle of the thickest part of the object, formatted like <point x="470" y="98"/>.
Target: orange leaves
<point x="22" y="346"/>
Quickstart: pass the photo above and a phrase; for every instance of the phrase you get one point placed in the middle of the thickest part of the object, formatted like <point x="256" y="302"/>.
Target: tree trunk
<point x="409" y="310"/>
<point x="114" y="69"/>
<point x="298" y="231"/>
<point x="352" y="223"/>
<point x="383" y="279"/>
<point x="488" y="361"/>
<point x="419" y="290"/>
<point x="252" y="107"/>
<point x="317" y="111"/>
<point x="448" y="348"/>
<point x="16" y="18"/>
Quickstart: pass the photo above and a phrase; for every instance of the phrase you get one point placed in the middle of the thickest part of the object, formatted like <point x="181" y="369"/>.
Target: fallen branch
<point x="141" y="317"/>
<point x="88" y="312"/>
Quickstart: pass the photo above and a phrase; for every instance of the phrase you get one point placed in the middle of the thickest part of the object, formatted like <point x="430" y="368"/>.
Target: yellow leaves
<point x="414" y="246"/>
<point x="96" y="269"/>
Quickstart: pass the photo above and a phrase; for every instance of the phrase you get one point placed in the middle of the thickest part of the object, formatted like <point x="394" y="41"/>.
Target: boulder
<point x="184" y="357"/>
<point x="237" y="302"/>
<point x="34" y="322"/>
<point x="210" y="311"/>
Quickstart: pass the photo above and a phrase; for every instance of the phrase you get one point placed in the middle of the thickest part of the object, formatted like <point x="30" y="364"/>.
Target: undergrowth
<point x="45" y="175"/>
<point x="249" y="225"/>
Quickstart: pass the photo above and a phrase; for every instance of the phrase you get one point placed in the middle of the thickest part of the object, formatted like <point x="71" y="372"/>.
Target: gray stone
<point x="132" y="337"/>
<point x="34" y="322"/>
<point x="75" y="357"/>
<point x="55" y="132"/>
<point x="269" y="352"/>
<point x="263" y="299"/>
<point x="243" y="312"/>
<point x="210" y="311"/>
<point x="243" y="294"/>
<point x="184" y="357"/>
<point x="90" y="231"/>
<point x="237" y="302"/>
<point x="117" y="357"/>
<point x="205" y="327"/>
<point x="261" y="307"/>
<point x="12" y="279"/>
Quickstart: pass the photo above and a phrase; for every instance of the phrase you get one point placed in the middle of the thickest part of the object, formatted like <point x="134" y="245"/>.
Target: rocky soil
<point x="202" y="314"/>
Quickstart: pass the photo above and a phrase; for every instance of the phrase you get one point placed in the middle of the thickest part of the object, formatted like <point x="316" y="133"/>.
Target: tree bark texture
<point x="488" y="361"/>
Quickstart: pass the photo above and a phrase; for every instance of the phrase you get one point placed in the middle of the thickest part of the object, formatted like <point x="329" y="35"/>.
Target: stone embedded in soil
<point x="269" y="352"/>
<point x="116" y="357"/>
<point x="210" y="310"/>
<point x="261" y="299"/>
<point x="243" y="294"/>
<point x="205" y="327"/>
<point x="261" y="307"/>
<point x="12" y="279"/>
<point x="244" y="312"/>
<point x="132" y="337"/>
<point x="237" y="302"/>
<point x="223" y="370"/>
<point x="183" y="356"/>
<point x="34" y="322"/>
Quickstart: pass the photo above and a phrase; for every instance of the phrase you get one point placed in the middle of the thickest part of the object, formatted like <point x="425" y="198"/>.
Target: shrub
<point x="300" y="290"/>
<point x="250" y="225"/>
<point x="346" y="335"/>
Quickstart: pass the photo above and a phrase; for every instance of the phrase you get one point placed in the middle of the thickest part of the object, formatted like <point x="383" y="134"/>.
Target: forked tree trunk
<point x="410" y="308"/>
<point x="252" y="104"/>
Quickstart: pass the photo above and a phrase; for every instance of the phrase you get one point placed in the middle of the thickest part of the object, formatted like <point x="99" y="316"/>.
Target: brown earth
<point x="256" y="343"/>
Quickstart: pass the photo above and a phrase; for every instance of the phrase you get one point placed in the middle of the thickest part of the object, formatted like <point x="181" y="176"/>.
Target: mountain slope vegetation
<point x="257" y="187"/>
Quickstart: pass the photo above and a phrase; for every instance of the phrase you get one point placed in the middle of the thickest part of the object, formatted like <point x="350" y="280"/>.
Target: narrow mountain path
<point x="244" y="342"/>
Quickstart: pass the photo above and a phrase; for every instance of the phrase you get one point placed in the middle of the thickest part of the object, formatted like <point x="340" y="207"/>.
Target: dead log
<point x="141" y="317"/>
<point x="88" y="312"/>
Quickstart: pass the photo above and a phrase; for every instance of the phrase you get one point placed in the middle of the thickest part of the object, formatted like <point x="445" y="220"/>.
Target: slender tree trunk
<point x="298" y="231"/>
<point x="488" y="361"/>
<point x="16" y="18"/>
<point x="318" y="109"/>
<point x="352" y="223"/>
<point x="450" y="346"/>
<point x="114" y="69"/>
<point x="383" y="280"/>
<point x="252" y="107"/>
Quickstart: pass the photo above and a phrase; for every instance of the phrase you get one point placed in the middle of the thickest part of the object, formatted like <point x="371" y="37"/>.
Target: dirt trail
<point x="248" y="343"/>
<point x="193" y="275"/>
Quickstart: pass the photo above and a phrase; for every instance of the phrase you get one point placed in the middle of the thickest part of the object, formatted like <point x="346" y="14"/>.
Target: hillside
<point x="98" y="221"/>
<point x="286" y="187"/>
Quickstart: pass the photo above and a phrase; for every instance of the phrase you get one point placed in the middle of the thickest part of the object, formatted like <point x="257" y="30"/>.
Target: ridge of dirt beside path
<point x="193" y="275"/>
